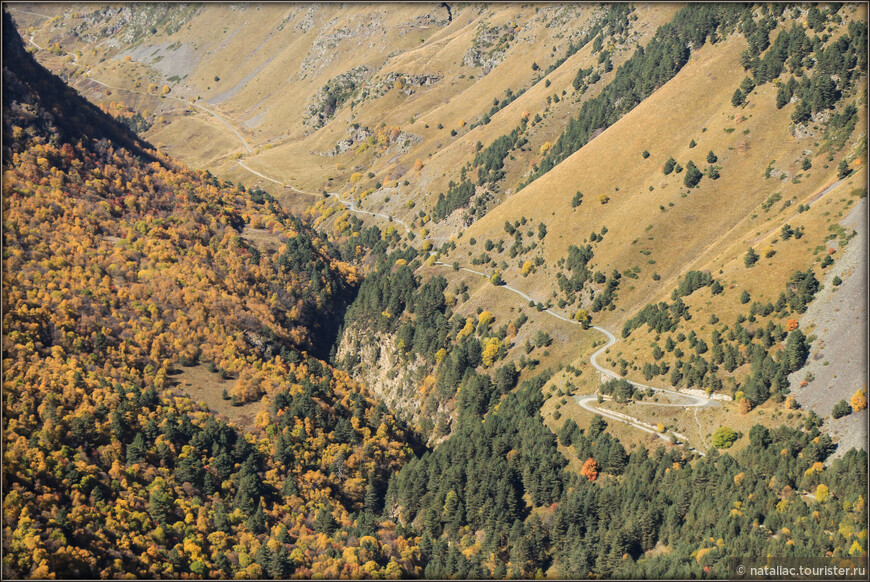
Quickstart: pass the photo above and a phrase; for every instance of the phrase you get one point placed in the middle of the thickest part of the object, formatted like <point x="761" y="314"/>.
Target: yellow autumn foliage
<point x="490" y="351"/>
<point x="467" y="330"/>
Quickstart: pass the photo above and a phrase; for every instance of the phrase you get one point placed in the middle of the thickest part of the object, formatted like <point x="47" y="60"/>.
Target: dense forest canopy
<point x="122" y="267"/>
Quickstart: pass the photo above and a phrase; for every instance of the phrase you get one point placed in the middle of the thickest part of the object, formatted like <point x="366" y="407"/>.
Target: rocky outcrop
<point x="407" y="82"/>
<point x="489" y="48"/>
<point x="396" y="141"/>
<point x="333" y="95"/>
<point x="374" y="360"/>
<point x="367" y="31"/>
<point x="356" y="134"/>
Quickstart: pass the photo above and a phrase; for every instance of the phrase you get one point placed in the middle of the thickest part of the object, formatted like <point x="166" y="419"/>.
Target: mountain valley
<point x="433" y="290"/>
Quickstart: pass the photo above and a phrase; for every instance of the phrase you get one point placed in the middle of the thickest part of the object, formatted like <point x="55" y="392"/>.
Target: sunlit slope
<point x="262" y="66"/>
<point x="456" y="97"/>
<point x="678" y="228"/>
<point x="444" y="164"/>
<point x="242" y="80"/>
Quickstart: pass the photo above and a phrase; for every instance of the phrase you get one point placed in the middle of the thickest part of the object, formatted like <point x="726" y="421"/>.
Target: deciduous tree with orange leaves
<point x="590" y="469"/>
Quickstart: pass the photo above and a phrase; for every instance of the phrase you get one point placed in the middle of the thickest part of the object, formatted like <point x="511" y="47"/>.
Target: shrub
<point x="750" y="258"/>
<point x="841" y="409"/>
<point x="645" y="154"/>
<point x="543" y="339"/>
<point x="724" y="437"/>
<point x="590" y="469"/>
<point x="843" y="169"/>
<point x="693" y="175"/>
<point x="527" y="268"/>
<point x="822" y="493"/>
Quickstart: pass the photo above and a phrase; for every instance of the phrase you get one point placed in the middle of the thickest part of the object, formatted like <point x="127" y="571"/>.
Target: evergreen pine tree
<point x="370" y="503"/>
<point x="796" y="350"/>
<point x="257" y="521"/>
<point x="136" y="449"/>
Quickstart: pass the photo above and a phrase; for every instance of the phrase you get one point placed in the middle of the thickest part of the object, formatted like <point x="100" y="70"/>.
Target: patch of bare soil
<point x="838" y="358"/>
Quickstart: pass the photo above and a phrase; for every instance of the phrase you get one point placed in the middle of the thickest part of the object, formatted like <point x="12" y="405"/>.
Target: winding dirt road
<point x="693" y="400"/>
<point x="350" y="205"/>
<point x="588" y="401"/>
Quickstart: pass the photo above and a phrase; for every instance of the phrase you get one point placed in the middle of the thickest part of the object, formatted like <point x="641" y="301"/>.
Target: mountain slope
<point x="119" y="273"/>
<point x="131" y="279"/>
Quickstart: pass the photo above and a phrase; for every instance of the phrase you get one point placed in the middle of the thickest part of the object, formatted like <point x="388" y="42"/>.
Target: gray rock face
<point x="837" y="359"/>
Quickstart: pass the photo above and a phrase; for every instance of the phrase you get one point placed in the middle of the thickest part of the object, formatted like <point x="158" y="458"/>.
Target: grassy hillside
<point x="251" y="58"/>
<point x="656" y="229"/>
<point x="697" y="225"/>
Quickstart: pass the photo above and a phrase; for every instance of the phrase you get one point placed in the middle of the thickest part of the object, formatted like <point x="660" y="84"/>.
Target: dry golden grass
<point x="206" y="139"/>
<point x="457" y="150"/>
<point x="268" y="76"/>
<point x="706" y="229"/>
<point x="206" y="387"/>
<point x="763" y="282"/>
